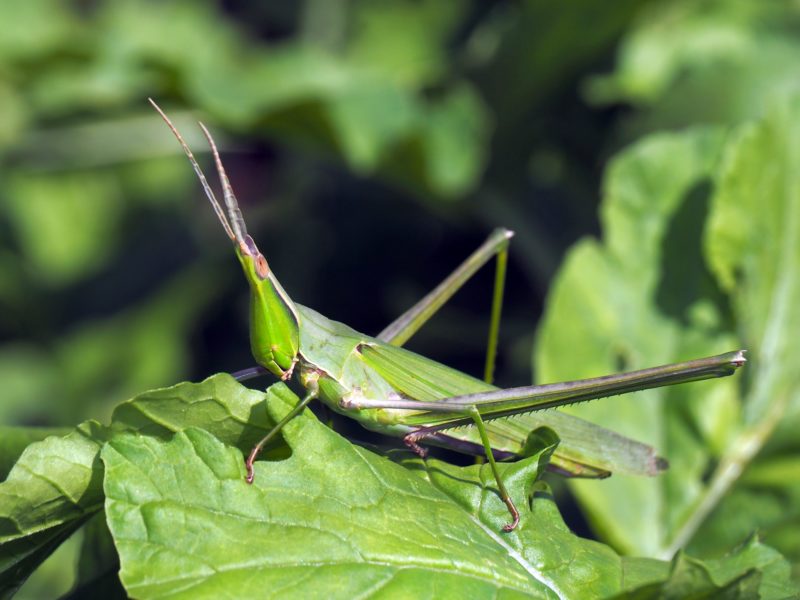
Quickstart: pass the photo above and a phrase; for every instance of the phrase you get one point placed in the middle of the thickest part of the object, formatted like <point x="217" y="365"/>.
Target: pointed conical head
<point x="274" y="323"/>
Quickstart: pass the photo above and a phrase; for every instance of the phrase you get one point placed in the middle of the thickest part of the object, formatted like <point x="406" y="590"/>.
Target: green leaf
<point x="39" y="27"/>
<point x="612" y="308"/>
<point x="53" y="488"/>
<point x="653" y="55"/>
<point x="361" y="100"/>
<point x="701" y="253"/>
<point x="14" y="440"/>
<point x="686" y="62"/>
<point x="354" y="520"/>
<point x="751" y="571"/>
<point x="434" y="145"/>
<point x="57" y="484"/>
<point x="406" y="41"/>
<point x="338" y="518"/>
<point x="753" y="245"/>
<point x="220" y="405"/>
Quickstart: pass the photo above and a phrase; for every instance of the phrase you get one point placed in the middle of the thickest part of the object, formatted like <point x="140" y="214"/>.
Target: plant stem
<point x="742" y="451"/>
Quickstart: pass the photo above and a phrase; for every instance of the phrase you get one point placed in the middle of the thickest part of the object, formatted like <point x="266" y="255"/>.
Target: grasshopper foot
<point x="411" y="441"/>
<point x="287" y="374"/>
<point x="251" y="473"/>
<point x="514" y="515"/>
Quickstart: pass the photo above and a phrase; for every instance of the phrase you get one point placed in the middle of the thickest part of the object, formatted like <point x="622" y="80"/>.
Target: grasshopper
<point x="394" y="391"/>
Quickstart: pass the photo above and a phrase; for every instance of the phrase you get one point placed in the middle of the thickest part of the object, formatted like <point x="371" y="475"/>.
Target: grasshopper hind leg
<point x="405" y="326"/>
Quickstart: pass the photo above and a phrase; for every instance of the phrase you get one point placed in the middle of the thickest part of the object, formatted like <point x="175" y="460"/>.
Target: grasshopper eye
<point x="262" y="268"/>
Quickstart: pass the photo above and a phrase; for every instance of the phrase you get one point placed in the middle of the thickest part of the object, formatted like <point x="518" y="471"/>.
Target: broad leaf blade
<point x="611" y="308"/>
<point x="185" y="522"/>
<point x="701" y="253"/>
<point x="337" y="519"/>
<point x="53" y="488"/>
<point x="57" y="483"/>
<point x="220" y="405"/>
<point x="753" y="244"/>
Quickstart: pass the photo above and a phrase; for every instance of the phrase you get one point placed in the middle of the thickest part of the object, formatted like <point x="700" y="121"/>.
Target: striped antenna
<point x="209" y="192"/>
<point x="234" y="214"/>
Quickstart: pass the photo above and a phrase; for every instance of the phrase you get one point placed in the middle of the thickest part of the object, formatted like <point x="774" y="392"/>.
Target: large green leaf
<point x="185" y="522"/>
<point x="603" y="315"/>
<point x="646" y="296"/>
<point x="753" y="245"/>
<point x="687" y="62"/>
<point x="52" y="489"/>
<point x="57" y="483"/>
<point x="336" y="519"/>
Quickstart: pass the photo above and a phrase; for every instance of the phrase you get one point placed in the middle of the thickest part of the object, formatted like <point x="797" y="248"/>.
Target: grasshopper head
<point x="274" y="324"/>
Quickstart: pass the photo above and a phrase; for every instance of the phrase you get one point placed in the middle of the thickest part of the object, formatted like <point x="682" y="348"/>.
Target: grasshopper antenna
<point x="234" y="214"/>
<point x="209" y="192"/>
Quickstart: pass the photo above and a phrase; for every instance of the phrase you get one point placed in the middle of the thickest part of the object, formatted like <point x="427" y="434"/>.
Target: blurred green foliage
<point x="359" y="125"/>
<point x="373" y="145"/>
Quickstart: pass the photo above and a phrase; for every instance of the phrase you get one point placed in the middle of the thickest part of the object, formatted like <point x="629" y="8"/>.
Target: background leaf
<point x="373" y="146"/>
<point x="336" y="519"/>
<point x="685" y="62"/>
<point x="56" y="485"/>
<point x="653" y="263"/>
<point x="651" y="191"/>
<point x="761" y="276"/>
<point x="353" y="519"/>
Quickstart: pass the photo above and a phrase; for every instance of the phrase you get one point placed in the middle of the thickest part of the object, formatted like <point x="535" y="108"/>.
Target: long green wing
<point x="582" y="442"/>
<point x="493" y="404"/>
<point x="359" y="362"/>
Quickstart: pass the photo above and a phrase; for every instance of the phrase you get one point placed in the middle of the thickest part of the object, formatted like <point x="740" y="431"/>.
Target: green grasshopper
<point x="394" y="391"/>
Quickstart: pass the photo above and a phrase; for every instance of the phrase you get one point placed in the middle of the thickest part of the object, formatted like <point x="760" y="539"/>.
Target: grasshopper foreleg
<point x="313" y="392"/>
